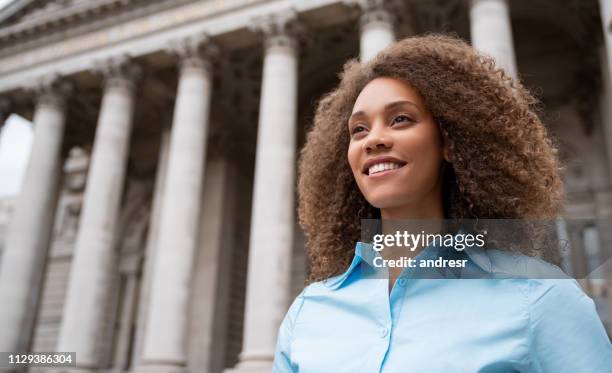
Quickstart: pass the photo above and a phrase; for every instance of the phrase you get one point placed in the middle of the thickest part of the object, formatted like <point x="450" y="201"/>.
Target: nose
<point x="377" y="140"/>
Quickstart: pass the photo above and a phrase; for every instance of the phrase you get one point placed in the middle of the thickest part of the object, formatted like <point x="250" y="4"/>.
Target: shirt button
<point x="384" y="332"/>
<point x="402" y="282"/>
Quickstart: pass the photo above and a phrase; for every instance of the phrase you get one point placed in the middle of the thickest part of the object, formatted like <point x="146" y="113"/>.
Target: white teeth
<point x="379" y="167"/>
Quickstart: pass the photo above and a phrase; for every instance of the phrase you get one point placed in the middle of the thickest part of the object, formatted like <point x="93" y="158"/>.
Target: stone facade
<point x="156" y="229"/>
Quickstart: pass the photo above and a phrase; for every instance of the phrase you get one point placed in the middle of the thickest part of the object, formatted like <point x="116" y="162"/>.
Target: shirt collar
<point x="364" y="252"/>
<point x="361" y="248"/>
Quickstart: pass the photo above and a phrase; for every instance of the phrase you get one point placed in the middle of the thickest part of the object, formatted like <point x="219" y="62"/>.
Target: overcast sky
<point x="4" y="2"/>
<point x="15" y="142"/>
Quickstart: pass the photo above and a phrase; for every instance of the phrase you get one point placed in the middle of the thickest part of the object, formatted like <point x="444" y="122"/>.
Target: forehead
<point x="381" y="91"/>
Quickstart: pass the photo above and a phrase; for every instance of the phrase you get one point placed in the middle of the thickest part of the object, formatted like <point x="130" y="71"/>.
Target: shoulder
<point x="545" y="285"/>
<point x="558" y="298"/>
<point x="565" y="333"/>
<point x="298" y="302"/>
<point x="507" y="264"/>
<point x="295" y="307"/>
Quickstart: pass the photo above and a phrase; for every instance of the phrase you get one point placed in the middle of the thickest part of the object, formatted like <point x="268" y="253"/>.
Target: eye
<point x="401" y="119"/>
<point x="358" y="128"/>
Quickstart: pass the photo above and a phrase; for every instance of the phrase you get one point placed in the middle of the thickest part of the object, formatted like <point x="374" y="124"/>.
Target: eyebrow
<point x="389" y="106"/>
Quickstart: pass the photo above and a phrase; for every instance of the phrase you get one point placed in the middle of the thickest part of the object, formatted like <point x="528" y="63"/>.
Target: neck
<point x="427" y="208"/>
<point x="426" y="216"/>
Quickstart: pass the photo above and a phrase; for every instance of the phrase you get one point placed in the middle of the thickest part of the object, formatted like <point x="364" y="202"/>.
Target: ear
<point x="445" y="151"/>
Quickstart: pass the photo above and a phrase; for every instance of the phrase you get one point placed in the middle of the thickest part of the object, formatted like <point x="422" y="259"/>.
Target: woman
<point x="430" y="130"/>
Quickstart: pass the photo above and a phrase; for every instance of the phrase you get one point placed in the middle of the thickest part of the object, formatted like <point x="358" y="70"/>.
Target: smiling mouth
<point x="383" y="168"/>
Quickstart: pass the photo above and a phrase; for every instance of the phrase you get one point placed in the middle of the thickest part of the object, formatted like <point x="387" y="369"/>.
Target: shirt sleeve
<point x="566" y="332"/>
<point x="282" y="355"/>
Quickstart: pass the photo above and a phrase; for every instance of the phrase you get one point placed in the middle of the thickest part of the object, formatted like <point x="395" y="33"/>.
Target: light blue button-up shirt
<point x="504" y="323"/>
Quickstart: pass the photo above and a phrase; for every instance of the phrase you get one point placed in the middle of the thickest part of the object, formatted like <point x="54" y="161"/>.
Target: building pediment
<point x="22" y="21"/>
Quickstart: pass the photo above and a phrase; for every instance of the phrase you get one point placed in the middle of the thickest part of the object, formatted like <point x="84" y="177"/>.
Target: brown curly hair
<point x="504" y="164"/>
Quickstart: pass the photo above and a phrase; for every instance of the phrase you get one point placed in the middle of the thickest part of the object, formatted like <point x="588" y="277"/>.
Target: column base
<point x="160" y="368"/>
<point x="7" y="370"/>
<point x="251" y="367"/>
<point x="72" y="370"/>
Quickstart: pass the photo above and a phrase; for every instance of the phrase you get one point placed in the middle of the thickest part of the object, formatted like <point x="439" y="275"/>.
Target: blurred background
<point x="148" y="151"/>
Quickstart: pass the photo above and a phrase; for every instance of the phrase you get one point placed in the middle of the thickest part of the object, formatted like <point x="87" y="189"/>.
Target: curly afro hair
<point x="504" y="163"/>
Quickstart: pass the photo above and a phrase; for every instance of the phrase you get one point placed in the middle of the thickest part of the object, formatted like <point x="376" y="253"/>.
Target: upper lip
<point x="372" y="161"/>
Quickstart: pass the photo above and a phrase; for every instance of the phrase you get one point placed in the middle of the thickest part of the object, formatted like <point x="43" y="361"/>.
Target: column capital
<point x="374" y="11"/>
<point x="472" y="2"/>
<point x="52" y="90"/>
<point x="196" y="51"/>
<point x="119" y="71"/>
<point x="376" y="15"/>
<point x="368" y="5"/>
<point x="282" y="29"/>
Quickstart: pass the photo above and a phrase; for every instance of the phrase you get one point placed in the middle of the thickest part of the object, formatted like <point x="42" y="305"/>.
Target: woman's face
<point x="395" y="149"/>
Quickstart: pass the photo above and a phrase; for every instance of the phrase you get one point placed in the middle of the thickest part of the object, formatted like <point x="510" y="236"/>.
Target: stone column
<point x="165" y="343"/>
<point x="376" y="27"/>
<point x="492" y="32"/>
<point x="605" y="54"/>
<point x="603" y="275"/>
<point x="606" y="20"/>
<point x="214" y="271"/>
<point x="94" y="257"/>
<point x="144" y="295"/>
<point x="272" y="219"/>
<point x="24" y="258"/>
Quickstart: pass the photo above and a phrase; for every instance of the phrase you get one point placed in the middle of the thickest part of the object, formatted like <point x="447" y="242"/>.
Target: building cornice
<point x="13" y="8"/>
<point x="78" y="18"/>
<point x="141" y="34"/>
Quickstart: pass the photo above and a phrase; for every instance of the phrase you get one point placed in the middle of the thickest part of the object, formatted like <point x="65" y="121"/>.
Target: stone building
<point x="156" y="227"/>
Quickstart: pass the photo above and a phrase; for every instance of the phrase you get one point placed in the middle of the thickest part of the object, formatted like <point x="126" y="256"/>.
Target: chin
<point x="386" y="201"/>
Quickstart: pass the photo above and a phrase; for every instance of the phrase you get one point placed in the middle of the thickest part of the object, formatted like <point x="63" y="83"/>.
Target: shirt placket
<point x="384" y="318"/>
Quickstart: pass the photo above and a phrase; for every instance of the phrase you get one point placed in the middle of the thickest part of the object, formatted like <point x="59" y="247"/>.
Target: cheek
<point x="425" y="138"/>
<point x="428" y="152"/>
<point x="424" y="148"/>
<point x="353" y="158"/>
